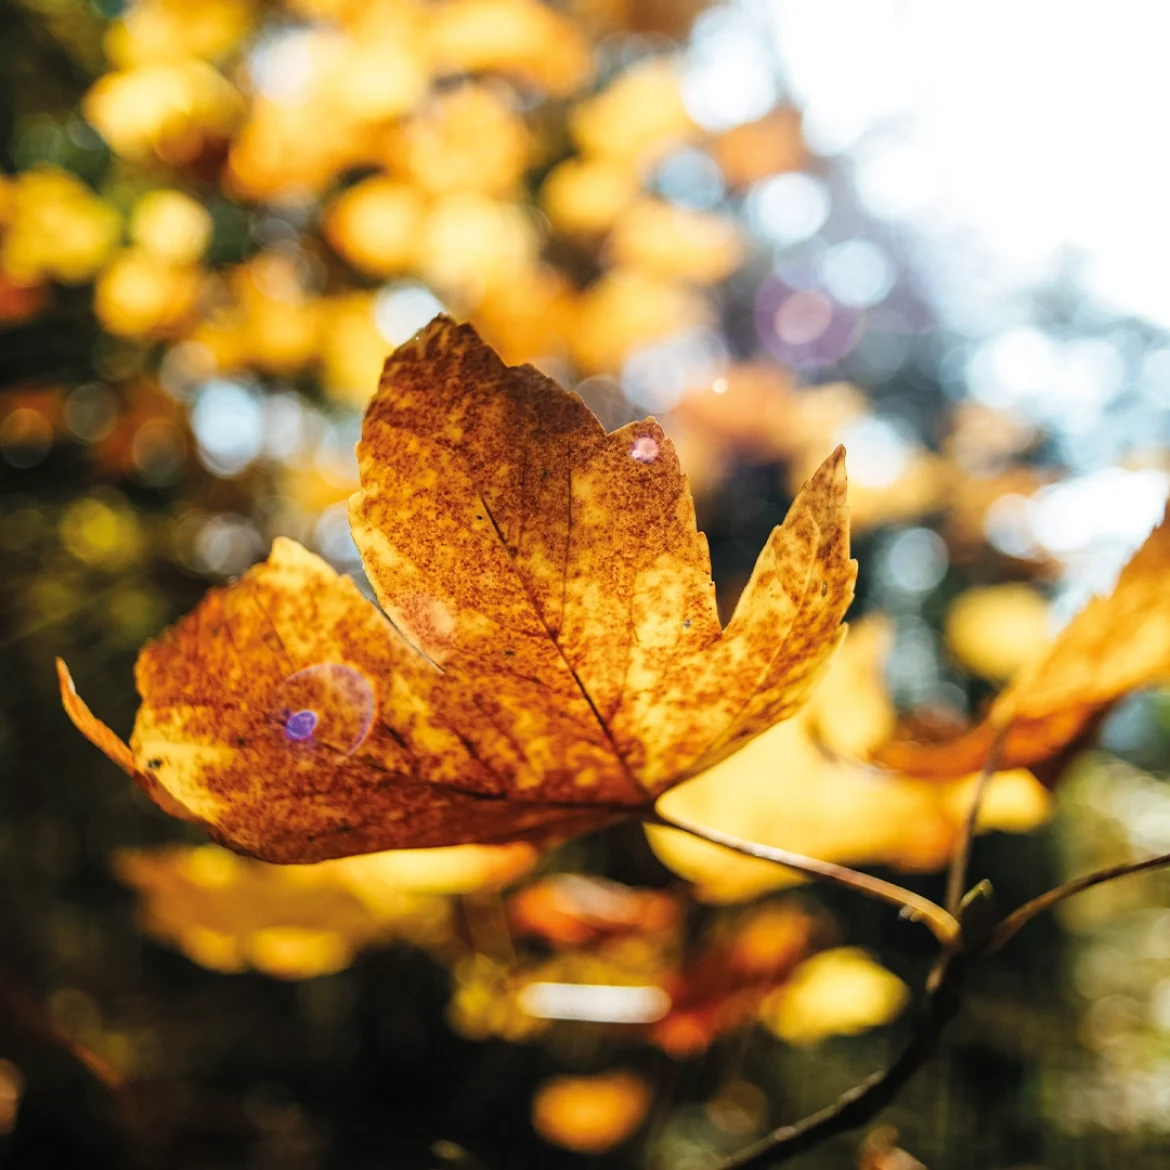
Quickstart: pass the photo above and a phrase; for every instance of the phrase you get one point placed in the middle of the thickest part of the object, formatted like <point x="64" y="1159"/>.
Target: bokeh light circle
<point x="330" y="706"/>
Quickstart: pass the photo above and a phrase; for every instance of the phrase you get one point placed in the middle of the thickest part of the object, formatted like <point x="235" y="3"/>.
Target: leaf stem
<point x="942" y="924"/>
<point x="864" y="1101"/>
<point x="1025" y="913"/>
<point x="957" y="877"/>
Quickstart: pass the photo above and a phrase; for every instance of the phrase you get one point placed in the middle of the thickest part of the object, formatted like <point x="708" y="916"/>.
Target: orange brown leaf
<point x="553" y="658"/>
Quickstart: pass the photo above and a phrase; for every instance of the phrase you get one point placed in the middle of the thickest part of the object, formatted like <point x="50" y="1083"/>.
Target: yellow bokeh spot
<point x="590" y="1114"/>
<point x="375" y="225"/>
<point x="626" y="309"/>
<point x="640" y="117"/>
<point x="1015" y="801"/>
<point x="296" y="952"/>
<point x="139" y="295"/>
<point x="171" y="109"/>
<point x="524" y="38"/>
<point x="352" y="349"/>
<point x="104" y="533"/>
<point x="838" y="992"/>
<point x="755" y="150"/>
<point x="171" y="226"/>
<point x="995" y="629"/>
<point x="161" y="30"/>
<point x="58" y="229"/>
<point x="469" y="139"/>
<point x="584" y="196"/>
<point x="378" y="79"/>
<point x="676" y="243"/>
<point x="212" y="867"/>
<point x="469" y="241"/>
<point x="525" y="316"/>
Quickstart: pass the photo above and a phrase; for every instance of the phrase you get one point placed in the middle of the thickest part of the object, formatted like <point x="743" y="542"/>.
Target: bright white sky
<point x="1024" y="126"/>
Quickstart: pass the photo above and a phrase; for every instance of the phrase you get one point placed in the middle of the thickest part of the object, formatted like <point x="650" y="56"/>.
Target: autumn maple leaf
<point x="548" y="657"/>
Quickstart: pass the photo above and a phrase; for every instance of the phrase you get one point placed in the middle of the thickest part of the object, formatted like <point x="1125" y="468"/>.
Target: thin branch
<point x="1025" y="913"/>
<point x="957" y="878"/>
<point x="864" y="1101"/>
<point x="943" y="925"/>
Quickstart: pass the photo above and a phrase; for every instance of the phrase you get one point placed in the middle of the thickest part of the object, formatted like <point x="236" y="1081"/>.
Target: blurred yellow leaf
<point x="638" y="118"/>
<point x="163" y="30"/>
<point x="626" y="309"/>
<point x="1115" y="645"/>
<point x="139" y="295"/>
<point x="173" y="110"/>
<point x="837" y="992"/>
<point x="851" y="712"/>
<point x="228" y="913"/>
<point x="375" y="224"/>
<point x="466" y="139"/>
<point x="993" y="630"/>
<point x="676" y="243"/>
<point x="584" y="196"/>
<point x="523" y="38"/>
<point x="783" y="790"/>
<point x="171" y="226"/>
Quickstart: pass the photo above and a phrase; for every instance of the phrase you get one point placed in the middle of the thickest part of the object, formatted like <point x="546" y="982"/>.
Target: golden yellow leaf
<point x="837" y="992"/>
<point x="590" y="1114"/>
<point x="553" y="657"/>
<point x="1115" y="645"/>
